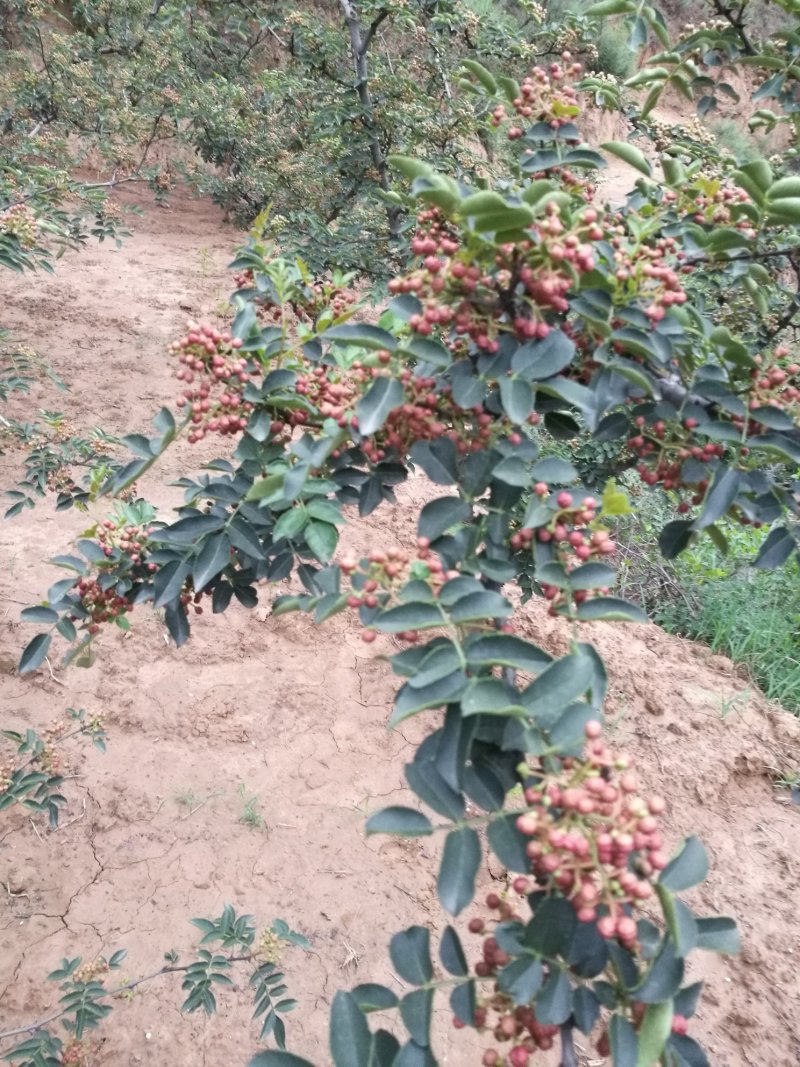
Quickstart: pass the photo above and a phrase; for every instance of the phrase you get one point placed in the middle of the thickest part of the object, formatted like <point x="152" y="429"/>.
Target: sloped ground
<point x="295" y="716"/>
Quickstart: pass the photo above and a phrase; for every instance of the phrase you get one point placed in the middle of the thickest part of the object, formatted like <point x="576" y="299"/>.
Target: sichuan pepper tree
<point x="530" y="306"/>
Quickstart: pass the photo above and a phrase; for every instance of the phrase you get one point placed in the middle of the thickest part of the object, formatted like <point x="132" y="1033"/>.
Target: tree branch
<point x="373" y="29"/>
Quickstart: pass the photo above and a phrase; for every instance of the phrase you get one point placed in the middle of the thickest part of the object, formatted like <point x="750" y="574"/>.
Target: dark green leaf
<point x="516" y="396"/>
<point x="687" y="868"/>
<point x="558" y="685"/>
<point x="437" y="458"/>
<point x="416" y="1010"/>
<point x="451" y="953"/>
<point x="610" y="607"/>
<point x="554" y="1002"/>
<point x="585" y="1008"/>
<point x="718" y="934"/>
<point x="372" y="997"/>
<point x="411" y="955"/>
<point x="463" y="1003"/>
<point x="522" y="979"/>
<point x="554" y="470"/>
<point x="624" y="1043"/>
<point x="506" y="650"/>
<point x="776" y="549"/>
<point x="663" y="979"/>
<point x="409" y="617"/>
<point x="373" y="408"/>
<point x="721" y="494"/>
<point x="397" y="820"/>
<point x="361" y="334"/>
<point x="477" y="606"/>
<point x="321" y="538"/>
<point x="214" y="557"/>
<point x="349" y="1034"/>
<point x="675" y="537"/>
<point x="438" y="516"/>
<point x="508" y="844"/>
<point x="34" y="653"/>
<point x="460" y="862"/>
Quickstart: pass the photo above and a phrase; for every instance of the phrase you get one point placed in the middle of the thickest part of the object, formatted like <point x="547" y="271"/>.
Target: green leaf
<point x="688" y="868"/>
<point x="628" y="154"/>
<point x="482" y="74"/>
<point x="522" y="979"/>
<point x="398" y="820"/>
<point x="554" y="1002"/>
<point x="361" y="334"/>
<point x="451" y="953"/>
<point x="477" y="606"/>
<point x="663" y="978"/>
<point x="373" y="997"/>
<point x="512" y="471"/>
<point x="438" y="516"/>
<point x="349" y="1034"/>
<point x="277" y="1058"/>
<point x="516" y="396"/>
<point x="721" y="494"/>
<point x="784" y="211"/>
<point x="508" y="844"/>
<point x="610" y="7"/>
<point x="482" y="203"/>
<point x="654" y="1032"/>
<point x="373" y="408"/>
<point x="416" y="616"/>
<point x="34" y="653"/>
<point x="416" y="1011"/>
<point x="40" y="614"/>
<point x="460" y="861"/>
<point x="592" y="576"/>
<point x="463" y="1003"/>
<point x="506" y="650"/>
<point x="718" y="934"/>
<point x="290" y="524"/>
<point x="410" y="701"/>
<point x="321" y="538"/>
<point x="554" y="471"/>
<point x="490" y="696"/>
<point x="558" y="685"/>
<point x="410" y="168"/>
<point x="411" y="955"/>
<point x="776" y="549"/>
<point x="214" y="557"/>
<point x="610" y="607"/>
<point x="624" y="1042"/>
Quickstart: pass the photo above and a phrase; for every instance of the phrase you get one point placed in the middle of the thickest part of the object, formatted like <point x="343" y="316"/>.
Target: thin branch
<point x="374" y="26"/>
<point x="737" y="23"/>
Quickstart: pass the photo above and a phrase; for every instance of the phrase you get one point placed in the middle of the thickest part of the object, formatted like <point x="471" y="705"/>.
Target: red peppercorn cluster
<point x="382" y="574"/>
<point x="543" y="99"/>
<point x="575" y="544"/>
<point x="776" y="382"/>
<point x="586" y="823"/>
<point x="121" y="535"/>
<point x="215" y="405"/>
<point x="645" y="268"/>
<point x="101" y="605"/>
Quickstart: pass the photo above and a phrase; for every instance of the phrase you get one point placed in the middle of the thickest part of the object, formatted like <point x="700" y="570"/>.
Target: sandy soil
<point x="296" y="717"/>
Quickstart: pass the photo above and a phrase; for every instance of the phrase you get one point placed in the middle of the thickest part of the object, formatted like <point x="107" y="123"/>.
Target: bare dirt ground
<point x="295" y="716"/>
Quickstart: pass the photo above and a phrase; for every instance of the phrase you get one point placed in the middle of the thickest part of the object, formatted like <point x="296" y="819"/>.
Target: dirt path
<point x="295" y="716"/>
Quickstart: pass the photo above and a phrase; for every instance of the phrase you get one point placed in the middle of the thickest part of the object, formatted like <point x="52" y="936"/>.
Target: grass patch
<point x="754" y="620"/>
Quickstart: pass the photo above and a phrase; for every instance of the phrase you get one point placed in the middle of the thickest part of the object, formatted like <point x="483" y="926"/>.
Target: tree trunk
<point x="359" y="46"/>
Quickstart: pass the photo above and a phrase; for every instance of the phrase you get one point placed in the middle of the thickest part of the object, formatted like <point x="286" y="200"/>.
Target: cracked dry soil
<point x="295" y="715"/>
